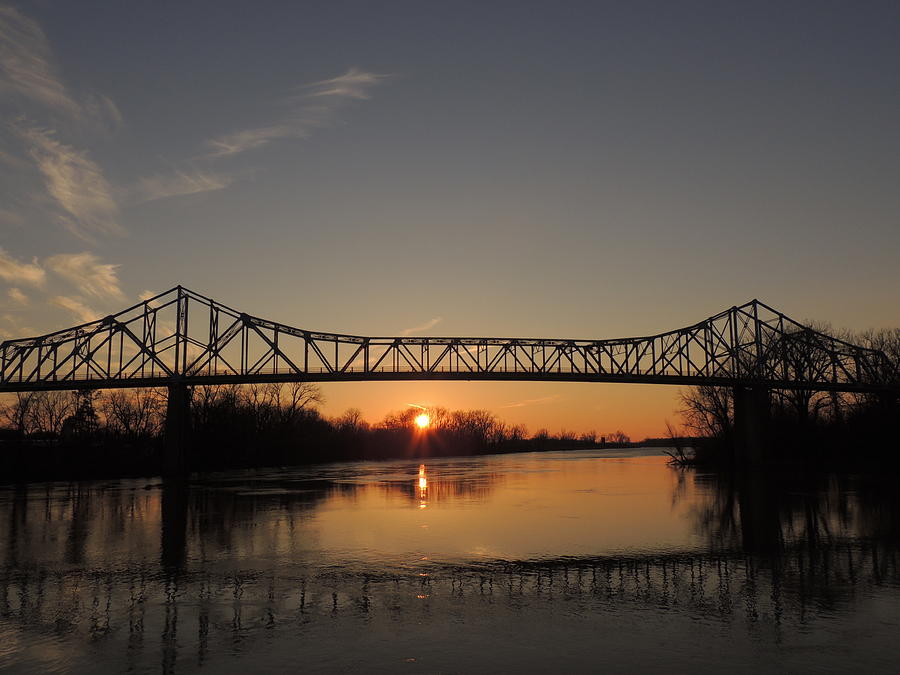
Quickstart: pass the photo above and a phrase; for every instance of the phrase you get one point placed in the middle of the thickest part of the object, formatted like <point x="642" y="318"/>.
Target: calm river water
<point x="547" y="562"/>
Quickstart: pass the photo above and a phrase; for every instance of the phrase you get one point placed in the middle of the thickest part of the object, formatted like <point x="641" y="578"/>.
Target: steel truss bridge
<point x="183" y="338"/>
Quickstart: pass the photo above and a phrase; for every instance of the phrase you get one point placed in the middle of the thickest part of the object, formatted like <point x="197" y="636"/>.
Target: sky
<point x="551" y="169"/>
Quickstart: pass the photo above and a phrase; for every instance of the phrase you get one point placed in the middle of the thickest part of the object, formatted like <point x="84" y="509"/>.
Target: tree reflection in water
<point x="122" y="575"/>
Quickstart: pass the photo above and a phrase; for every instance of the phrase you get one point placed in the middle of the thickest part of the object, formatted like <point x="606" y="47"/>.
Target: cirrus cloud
<point x="428" y="325"/>
<point x="531" y="401"/>
<point x="88" y="274"/>
<point x="17" y="272"/>
<point x="75" y="307"/>
<point x="177" y="184"/>
<point x="75" y="182"/>
<point x="314" y="107"/>
<point x="355" y="83"/>
<point x="17" y="296"/>
<point x="26" y="63"/>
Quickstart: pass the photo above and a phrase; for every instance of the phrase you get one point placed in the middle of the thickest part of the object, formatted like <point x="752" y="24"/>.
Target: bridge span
<point x="179" y="339"/>
<point x="182" y="337"/>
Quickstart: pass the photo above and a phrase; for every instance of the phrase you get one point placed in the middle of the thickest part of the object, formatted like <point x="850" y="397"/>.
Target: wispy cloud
<point x="17" y="272"/>
<point x="250" y="139"/>
<point x="7" y="327"/>
<point x="76" y="307"/>
<point x="12" y="327"/>
<point x="355" y="83"/>
<point x="30" y="85"/>
<point x="17" y="297"/>
<point x="531" y="401"/>
<point x="147" y="296"/>
<point x="75" y="182"/>
<point x="28" y="70"/>
<point x="314" y="107"/>
<point x="26" y="63"/>
<point x="177" y="184"/>
<point x="428" y="325"/>
<point x="88" y="274"/>
<point x="103" y="111"/>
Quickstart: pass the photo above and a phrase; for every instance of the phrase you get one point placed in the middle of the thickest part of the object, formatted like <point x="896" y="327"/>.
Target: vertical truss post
<point x="733" y="335"/>
<point x="180" y="331"/>
<point x="757" y="339"/>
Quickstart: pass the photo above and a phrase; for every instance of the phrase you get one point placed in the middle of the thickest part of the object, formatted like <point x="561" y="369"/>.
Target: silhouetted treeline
<point x="121" y="432"/>
<point x="807" y="427"/>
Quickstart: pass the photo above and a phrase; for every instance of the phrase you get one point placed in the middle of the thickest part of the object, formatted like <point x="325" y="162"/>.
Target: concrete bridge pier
<point x="178" y="411"/>
<point x="752" y="413"/>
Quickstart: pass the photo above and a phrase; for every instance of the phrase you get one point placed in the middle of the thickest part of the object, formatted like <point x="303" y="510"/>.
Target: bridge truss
<point x="183" y="337"/>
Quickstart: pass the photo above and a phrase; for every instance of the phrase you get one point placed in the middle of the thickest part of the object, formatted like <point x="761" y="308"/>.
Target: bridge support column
<point x="177" y="422"/>
<point x="752" y="411"/>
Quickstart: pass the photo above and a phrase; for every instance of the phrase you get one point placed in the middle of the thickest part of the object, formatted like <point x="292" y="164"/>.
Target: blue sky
<point x="535" y="169"/>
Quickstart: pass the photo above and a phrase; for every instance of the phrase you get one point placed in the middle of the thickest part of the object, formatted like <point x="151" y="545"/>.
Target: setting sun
<point x="423" y="421"/>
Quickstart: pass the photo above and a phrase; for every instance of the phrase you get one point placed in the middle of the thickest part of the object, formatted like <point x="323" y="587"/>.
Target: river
<point x="543" y="562"/>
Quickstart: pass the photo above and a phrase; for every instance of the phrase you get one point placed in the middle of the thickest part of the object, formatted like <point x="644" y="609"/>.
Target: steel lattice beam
<point x="182" y="336"/>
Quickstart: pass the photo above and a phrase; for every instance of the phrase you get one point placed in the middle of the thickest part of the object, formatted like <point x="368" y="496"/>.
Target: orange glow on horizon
<point x="638" y="410"/>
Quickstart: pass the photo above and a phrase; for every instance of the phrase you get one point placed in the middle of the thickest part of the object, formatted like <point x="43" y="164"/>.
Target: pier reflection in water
<point x="536" y="562"/>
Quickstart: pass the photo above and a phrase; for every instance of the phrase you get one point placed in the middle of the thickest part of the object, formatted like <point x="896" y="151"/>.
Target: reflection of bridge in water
<point x="199" y="614"/>
<point x="180" y="339"/>
<point x="173" y="593"/>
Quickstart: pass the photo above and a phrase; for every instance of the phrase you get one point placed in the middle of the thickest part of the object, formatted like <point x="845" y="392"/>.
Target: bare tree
<point x="518" y="432"/>
<point x="887" y="341"/>
<point x="803" y="354"/>
<point x="566" y="435"/>
<point x="264" y="403"/>
<point x="678" y="454"/>
<point x="210" y="401"/>
<point x="619" y="437"/>
<point x="707" y="410"/>
<point x="588" y="436"/>
<point x="400" y="419"/>
<point x="352" y="420"/>
<point x="440" y="417"/>
<point x="49" y="411"/>
<point x="478" y="424"/>
<point x="134" y="413"/>
<point x="300" y="396"/>
<point x="541" y="435"/>
<point x="17" y="415"/>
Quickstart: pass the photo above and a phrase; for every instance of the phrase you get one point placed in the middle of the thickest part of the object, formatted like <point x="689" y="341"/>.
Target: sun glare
<point x="422" y="421"/>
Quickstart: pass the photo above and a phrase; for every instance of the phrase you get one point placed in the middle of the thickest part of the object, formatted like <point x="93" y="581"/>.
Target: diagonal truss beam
<point x="182" y="335"/>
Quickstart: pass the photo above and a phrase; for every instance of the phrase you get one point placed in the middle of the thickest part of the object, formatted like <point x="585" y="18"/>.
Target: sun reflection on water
<point x="423" y="487"/>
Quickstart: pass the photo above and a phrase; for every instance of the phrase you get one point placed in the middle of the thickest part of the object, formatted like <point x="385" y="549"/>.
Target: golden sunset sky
<point x="574" y="170"/>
